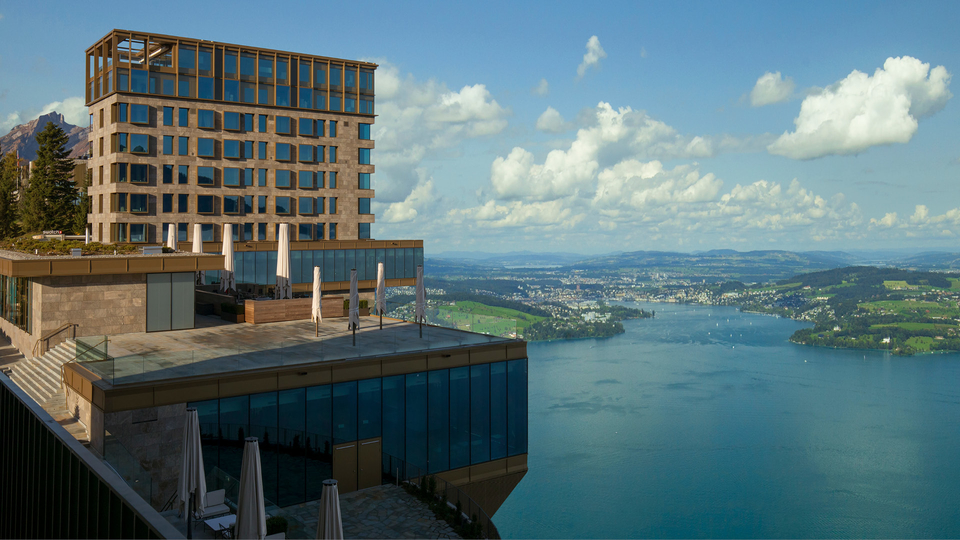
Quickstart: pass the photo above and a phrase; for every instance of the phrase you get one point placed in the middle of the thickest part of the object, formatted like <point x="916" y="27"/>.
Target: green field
<point x="477" y="317"/>
<point x="914" y="326"/>
<point x="895" y="284"/>
<point x="920" y="344"/>
<point x="930" y="309"/>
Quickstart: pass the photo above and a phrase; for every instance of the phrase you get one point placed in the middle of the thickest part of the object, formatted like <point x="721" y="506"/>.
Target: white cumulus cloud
<point x="541" y="89"/>
<point x="771" y="88"/>
<point x="551" y="122"/>
<point x="73" y="110"/>
<point x="592" y="57"/>
<point x="862" y="111"/>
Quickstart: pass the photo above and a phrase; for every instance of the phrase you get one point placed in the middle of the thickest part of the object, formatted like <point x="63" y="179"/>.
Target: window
<point x="248" y="206"/>
<point x="205" y="148"/>
<point x="231" y="90"/>
<point x="206" y="232"/>
<point x="261" y="150"/>
<point x="306" y="98"/>
<point x="139" y="143"/>
<point x="283" y="125"/>
<point x="205" y="86"/>
<point x="321" y="176"/>
<point x="364" y="132"/>
<point x="248" y="122"/>
<point x="319" y="74"/>
<point x="261" y="231"/>
<point x="319" y="231"/>
<point x="186" y="58"/>
<point x="363" y="206"/>
<point x="138" y="232"/>
<point x="305" y="180"/>
<point x="121" y="142"/>
<point x="283" y="179"/>
<point x="265" y="94"/>
<point x="182" y="174"/>
<point x="333" y="154"/>
<point x="364" y="156"/>
<point x="248" y="177"/>
<point x="350" y="78"/>
<point x="283" y="152"/>
<point x="168" y="145"/>
<point x="183" y="144"/>
<point x="283" y="96"/>
<point x="247" y="66"/>
<point x="205" y="204"/>
<point x="186" y="85"/>
<point x="168" y="116"/>
<point x="168" y="174"/>
<point x="248" y="92"/>
<point x="304" y="232"/>
<point x="184" y="117"/>
<point x="266" y="68"/>
<point x="366" y="105"/>
<point x="248" y="149"/>
<point x="139" y="173"/>
<point x="305" y="205"/>
<point x="231" y="149"/>
<point x="231" y="205"/>
<point x="262" y="121"/>
<point x="320" y="153"/>
<point x="306" y="127"/>
<point x="305" y="153"/>
<point x="121" y="202"/>
<point x="349" y="104"/>
<point x="364" y="181"/>
<point x="247" y="232"/>
<point x="335" y="99"/>
<point x="333" y="231"/>
<point x="121" y="113"/>
<point x="333" y="128"/>
<point x="335" y="75"/>
<point x="139" y="114"/>
<point x="205" y="176"/>
<point x="333" y="205"/>
<point x="366" y="82"/>
<point x="139" y="203"/>
<point x="333" y="180"/>
<point x="205" y="119"/>
<point x="231" y="121"/>
<point x="261" y="204"/>
<point x="138" y="81"/>
<point x="363" y="231"/>
<point x="320" y="205"/>
<point x="231" y="177"/>
<point x="167" y="203"/>
<point x="320" y="128"/>
<point x="183" y="203"/>
<point x="282" y="205"/>
<point x="262" y="177"/>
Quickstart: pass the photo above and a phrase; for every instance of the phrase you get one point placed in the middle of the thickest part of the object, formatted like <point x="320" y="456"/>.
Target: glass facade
<point x="437" y="420"/>
<point x="260" y="268"/>
<point x="15" y="306"/>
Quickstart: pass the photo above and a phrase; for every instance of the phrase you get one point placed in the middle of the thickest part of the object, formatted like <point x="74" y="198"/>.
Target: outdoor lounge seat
<point x="215" y="505"/>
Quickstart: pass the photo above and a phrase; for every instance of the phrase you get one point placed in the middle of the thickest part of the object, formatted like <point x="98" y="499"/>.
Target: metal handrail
<point x="46" y="339"/>
<point x="106" y="339"/>
<point x="415" y="475"/>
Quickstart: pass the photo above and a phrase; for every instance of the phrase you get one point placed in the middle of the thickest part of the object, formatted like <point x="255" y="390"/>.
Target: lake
<point x="707" y="422"/>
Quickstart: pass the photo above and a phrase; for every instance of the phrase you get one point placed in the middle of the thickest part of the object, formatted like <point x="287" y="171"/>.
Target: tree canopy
<point x="50" y="199"/>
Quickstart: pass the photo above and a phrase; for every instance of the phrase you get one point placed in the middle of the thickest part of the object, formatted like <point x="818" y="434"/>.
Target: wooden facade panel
<point x="291" y="309"/>
<point x="486" y="471"/>
<point x="30" y="268"/>
<point x="444" y="361"/>
<point x="299" y="379"/>
<point x="487" y="355"/>
<point x="517" y="463"/>
<point x="252" y="384"/>
<point x="356" y="371"/>
<point x="516" y="351"/>
<point x="146" y="265"/>
<point x="399" y="367"/>
<point x="125" y="400"/>
<point x="70" y="267"/>
<point x="184" y="392"/>
<point x="108" y="266"/>
<point x="179" y="264"/>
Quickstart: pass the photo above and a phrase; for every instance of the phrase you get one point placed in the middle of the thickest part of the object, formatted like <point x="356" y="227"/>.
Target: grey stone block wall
<point x="100" y="305"/>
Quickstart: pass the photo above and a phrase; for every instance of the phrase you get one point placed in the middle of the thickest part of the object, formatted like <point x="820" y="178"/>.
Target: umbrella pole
<point x="381" y="320"/>
<point x="421" y="328"/>
<point x="354" y="335"/>
<point x="318" y="327"/>
<point x="189" y="515"/>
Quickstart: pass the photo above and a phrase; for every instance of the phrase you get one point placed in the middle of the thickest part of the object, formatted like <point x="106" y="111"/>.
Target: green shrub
<point x="235" y="309"/>
<point x="346" y="304"/>
<point x="364" y="304"/>
<point x="277" y="524"/>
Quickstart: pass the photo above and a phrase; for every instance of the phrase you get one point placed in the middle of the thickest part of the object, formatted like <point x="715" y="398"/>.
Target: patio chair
<point x="216" y="505"/>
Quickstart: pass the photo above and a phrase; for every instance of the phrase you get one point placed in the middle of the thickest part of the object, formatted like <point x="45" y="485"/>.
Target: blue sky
<point x="613" y="126"/>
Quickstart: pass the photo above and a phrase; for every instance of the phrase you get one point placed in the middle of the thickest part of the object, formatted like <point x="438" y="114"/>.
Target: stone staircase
<point x="39" y="377"/>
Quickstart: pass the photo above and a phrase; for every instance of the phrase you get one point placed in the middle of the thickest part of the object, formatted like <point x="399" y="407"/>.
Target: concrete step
<point x="26" y="384"/>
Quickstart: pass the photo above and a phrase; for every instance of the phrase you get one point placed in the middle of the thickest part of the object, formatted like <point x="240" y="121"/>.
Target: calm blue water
<point x="706" y="422"/>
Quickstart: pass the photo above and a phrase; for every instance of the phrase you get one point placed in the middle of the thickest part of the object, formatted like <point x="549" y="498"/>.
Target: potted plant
<point x="364" y="308"/>
<point x="232" y="312"/>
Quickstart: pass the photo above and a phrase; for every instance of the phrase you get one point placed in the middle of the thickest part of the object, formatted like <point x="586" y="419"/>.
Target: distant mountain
<point x="931" y="260"/>
<point x="23" y="138"/>
<point x="513" y="258"/>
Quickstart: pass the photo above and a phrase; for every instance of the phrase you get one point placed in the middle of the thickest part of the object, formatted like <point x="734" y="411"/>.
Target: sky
<point x="599" y="127"/>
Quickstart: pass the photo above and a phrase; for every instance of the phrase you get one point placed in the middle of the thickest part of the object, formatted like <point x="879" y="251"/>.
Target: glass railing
<point x="446" y="326"/>
<point x="128" y="467"/>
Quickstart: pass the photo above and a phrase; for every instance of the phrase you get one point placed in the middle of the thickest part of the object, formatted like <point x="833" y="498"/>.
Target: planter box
<point x="233" y="317"/>
<point x="363" y="312"/>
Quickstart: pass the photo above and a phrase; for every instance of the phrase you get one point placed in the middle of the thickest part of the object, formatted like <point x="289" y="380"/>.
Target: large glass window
<point x="364" y="156"/>
<point x="516" y="407"/>
<point x="438" y="422"/>
<point x="139" y="203"/>
<point x="305" y="206"/>
<point x="333" y="205"/>
<point x="183" y="203"/>
<point x="167" y="203"/>
<point x="306" y="98"/>
<point x="416" y="420"/>
<point x="139" y="173"/>
<point x="168" y="145"/>
<point x="282" y="205"/>
<point x="205" y="88"/>
<point x="205" y="118"/>
<point x="305" y="127"/>
<point x="283" y="96"/>
<point x="345" y="412"/>
<point x="262" y="123"/>
<point x="479" y="413"/>
<point x="139" y="114"/>
<point x="206" y="233"/>
<point x="266" y="68"/>
<point x="261" y="177"/>
<point x="459" y="417"/>
<point x="231" y="205"/>
<point x="364" y="131"/>
<point x="333" y="128"/>
<point x="231" y="149"/>
<point x="319" y="437"/>
<point x="393" y="412"/>
<point x="183" y="146"/>
<point x="168" y="174"/>
<point x="231" y="177"/>
<point x="305" y="180"/>
<point x="261" y="204"/>
<point x="263" y="425"/>
<point x="283" y="179"/>
<point x="231" y="121"/>
<point x="205" y="148"/>
<point x="184" y="117"/>
<point x="283" y="125"/>
<point x="182" y="174"/>
<point x="283" y="152"/>
<point x="138" y="81"/>
<point x="138" y="232"/>
<point x="304" y="233"/>
<point x="363" y="231"/>
<point x="205" y="60"/>
<point x="205" y="176"/>
<point x="231" y="91"/>
<point x="186" y="57"/>
<point x="305" y="153"/>
<point x="139" y="143"/>
<point x="498" y="410"/>
<point x="364" y="181"/>
<point x="205" y="204"/>
<point x="247" y="66"/>
<point x="363" y="206"/>
<point x="292" y="423"/>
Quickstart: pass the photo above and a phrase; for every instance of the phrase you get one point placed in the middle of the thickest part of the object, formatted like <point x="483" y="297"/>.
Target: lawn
<point x="920" y="344"/>
<point x="485" y="319"/>
<point x="895" y="284"/>
<point x="930" y="309"/>
<point x="914" y="326"/>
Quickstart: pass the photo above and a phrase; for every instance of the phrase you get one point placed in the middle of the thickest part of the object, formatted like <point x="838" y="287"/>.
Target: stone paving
<point x="385" y="511"/>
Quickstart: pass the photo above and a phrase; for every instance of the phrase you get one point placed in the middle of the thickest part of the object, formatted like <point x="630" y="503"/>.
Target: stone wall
<point x="100" y="305"/>
<point x="153" y="436"/>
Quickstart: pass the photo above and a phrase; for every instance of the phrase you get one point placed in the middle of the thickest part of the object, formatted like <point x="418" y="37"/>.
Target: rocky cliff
<point x="23" y="138"/>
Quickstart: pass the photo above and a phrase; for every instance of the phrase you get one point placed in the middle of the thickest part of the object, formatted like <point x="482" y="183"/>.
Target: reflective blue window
<point x="282" y="205"/>
<point x="121" y="113"/>
<point x="231" y="177"/>
<point x="262" y="150"/>
<point x="333" y="181"/>
<point x="206" y="233"/>
<point x="262" y="123"/>
<point x="248" y="92"/>
<point x="320" y="101"/>
<point x="333" y="128"/>
<point x="292" y="440"/>
<point x="183" y="146"/>
<point x="231" y="121"/>
<point x="168" y="175"/>
<point x="182" y="174"/>
<point x="281" y="69"/>
<point x="364" y="181"/>
<point x="366" y="105"/>
<point x="205" y="147"/>
<point x="363" y="206"/>
<point x="350" y="78"/>
<point x="498" y="410"/>
<point x="516" y="407"/>
<point x="319" y="443"/>
<point x="306" y="98"/>
<point x="349" y="105"/>
<point x="247" y="65"/>
<point x="283" y="96"/>
<point x="393" y="414"/>
<point x="168" y="116"/>
<point x="185" y="86"/>
<point x="335" y="100"/>
<point x="183" y="203"/>
<point x="139" y="143"/>
<point x="305" y="153"/>
<point x="335" y="78"/>
<point x="138" y="81"/>
<point x="344" y="412"/>
<point x="439" y="420"/>
<point x="184" y="117"/>
<point x="186" y="58"/>
<point x="266" y="68"/>
<point x="283" y="125"/>
<point x="333" y="154"/>
<point x="306" y="127"/>
<point x="318" y="229"/>
<point x="206" y="119"/>
<point x="416" y="420"/>
<point x="339" y="270"/>
<point x="304" y="233"/>
<point x="231" y="91"/>
<point x="364" y="132"/>
<point x="305" y="206"/>
<point x="234" y="423"/>
<point x="231" y="205"/>
<point x="248" y="122"/>
<point x="319" y="74"/>
<point x="364" y="156"/>
<point x="248" y="152"/>
<point x="205" y="176"/>
<point x="283" y="179"/>
<point x="139" y="114"/>
<point x="205" y="60"/>
<point x="479" y="413"/>
<point x="304" y="73"/>
<point x="459" y="417"/>
<point x="205" y="88"/>
<point x="168" y="145"/>
<point x="263" y="425"/>
<point x="248" y="209"/>
<point x="122" y="80"/>
<point x="320" y="152"/>
<point x="139" y="173"/>
<point x="363" y="233"/>
<point x="283" y="152"/>
<point x="305" y="180"/>
<point x="231" y="149"/>
<point x="230" y="63"/>
<point x="262" y="177"/>
<point x="204" y="204"/>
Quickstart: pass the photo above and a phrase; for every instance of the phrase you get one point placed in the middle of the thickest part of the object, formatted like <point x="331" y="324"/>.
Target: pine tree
<point x="83" y="205"/>
<point x="49" y="202"/>
<point x="8" y="205"/>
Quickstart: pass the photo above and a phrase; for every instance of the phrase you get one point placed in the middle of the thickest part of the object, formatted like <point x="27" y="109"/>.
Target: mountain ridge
<point x="23" y="138"/>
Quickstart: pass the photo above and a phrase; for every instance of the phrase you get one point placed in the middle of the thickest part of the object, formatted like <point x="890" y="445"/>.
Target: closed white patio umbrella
<point x="228" y="281"/>
<point x="330" y="524"/>
<point x="315" y="312"/>
<point x="283" y="289"/>
<point x="381" y="298"/>
<point x="198" y="248"/>
<point x="192" y="486"/>
<point x="251" y="514"/>
<point x="420" y="309"/>
<point x="172" y="236"/>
